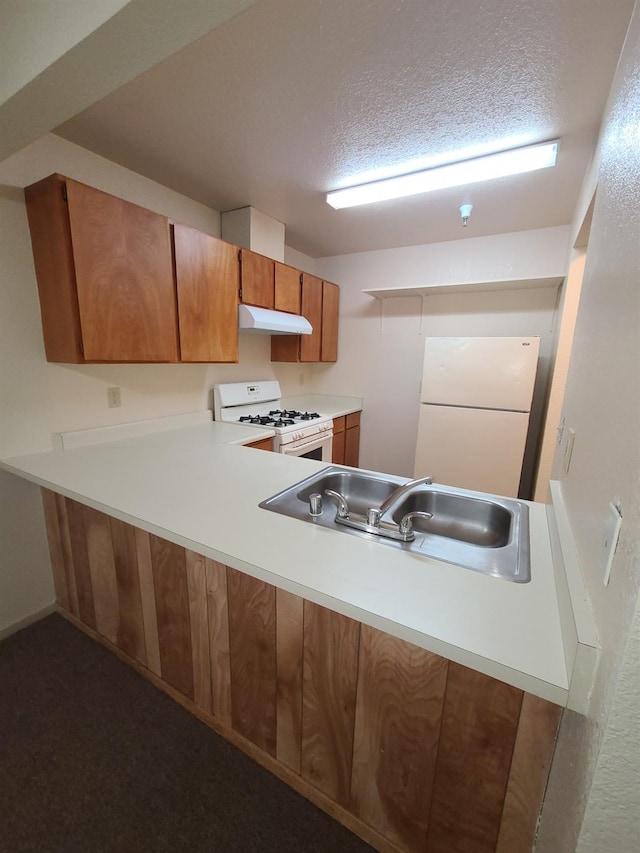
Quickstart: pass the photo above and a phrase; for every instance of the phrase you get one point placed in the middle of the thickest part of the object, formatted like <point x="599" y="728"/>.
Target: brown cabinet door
<point x="303" y="347"/>
<point x="48" y="215"/>
<point x="352" y="440"/>
<point x="124" y="278"/>
<point x="287" y="289"/>
<point x="207" y="284"/>
<point x="312" y="310"/>
<point x="337" y="448"/>
<point x="258" y="279"/>
<point x="330" y="304"/>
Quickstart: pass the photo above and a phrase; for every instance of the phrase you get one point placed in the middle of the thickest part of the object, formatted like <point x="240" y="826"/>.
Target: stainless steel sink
<point x="479" y="532"/>
<point x="361" y="490"/>
<point x="479" y="521"/>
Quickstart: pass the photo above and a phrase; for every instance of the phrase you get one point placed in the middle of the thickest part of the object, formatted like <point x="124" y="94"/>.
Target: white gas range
<point x="258" y="404"/>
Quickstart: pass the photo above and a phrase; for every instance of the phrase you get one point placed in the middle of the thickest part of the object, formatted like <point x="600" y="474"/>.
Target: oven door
<point x="317" y="447"/>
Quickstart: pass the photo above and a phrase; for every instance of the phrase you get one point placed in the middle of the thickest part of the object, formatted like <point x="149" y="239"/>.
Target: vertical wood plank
<point x="149" y="620"/>
<point x="219" y="654"/>
<point x="289" y="642"/>
<point x="535" y="742"/>
<point x="103" y="573"/>
<point x="55" y="548"/>
<point x="130" y="625"/>
<point x="329" y="698"/>
<point x="197" y="591"/>
<point x="398" y="714"/>
<point x="479" y="724"/>
<point x="80" y="559"/>
<point x="252" y="645"/>
<point x="172" y="612"/>
<point x="67" y="554"/>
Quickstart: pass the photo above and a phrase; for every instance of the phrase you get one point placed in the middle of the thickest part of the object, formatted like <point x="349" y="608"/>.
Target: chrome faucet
<point x="372" y="523"/>
<point x="343" y="506"/>
<point x="401" y="491"/>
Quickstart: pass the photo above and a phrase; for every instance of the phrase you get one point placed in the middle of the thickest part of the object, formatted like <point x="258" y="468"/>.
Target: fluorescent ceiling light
<point x="492" y="166"/>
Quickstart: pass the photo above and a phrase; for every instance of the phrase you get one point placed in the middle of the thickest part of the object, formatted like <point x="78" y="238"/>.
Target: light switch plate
<point x="610" y="539"/>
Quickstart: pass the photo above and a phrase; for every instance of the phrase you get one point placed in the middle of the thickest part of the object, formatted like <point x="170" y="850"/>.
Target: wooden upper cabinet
<point x="312" y="310"/>
<point x="257" y="279"/>
<point x="330" y="305"/>
<point x="124" y="277"/>
<point x="48" y="217"/>
<point x="207" y="283"/>
<point x="287" y="289"/>
<point x="119" y="283"/>
<point x="322" y="344"/>
<point x="105" y="275"/>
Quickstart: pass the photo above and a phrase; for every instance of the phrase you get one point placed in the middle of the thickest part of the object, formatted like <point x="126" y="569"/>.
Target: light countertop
<point x="194" y="486"/>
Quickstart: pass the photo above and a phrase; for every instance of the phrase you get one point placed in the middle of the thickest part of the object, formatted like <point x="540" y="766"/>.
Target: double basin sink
<point x="469" y="529"/>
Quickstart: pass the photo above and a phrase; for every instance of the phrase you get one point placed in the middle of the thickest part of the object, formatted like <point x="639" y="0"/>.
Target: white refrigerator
<point x="475" y="402"/>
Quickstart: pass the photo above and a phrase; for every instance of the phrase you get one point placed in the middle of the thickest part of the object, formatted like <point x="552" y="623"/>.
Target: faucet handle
<point x="343" y="506"/>
<point x="406" y="525"/>
<point x="373" y="517"/>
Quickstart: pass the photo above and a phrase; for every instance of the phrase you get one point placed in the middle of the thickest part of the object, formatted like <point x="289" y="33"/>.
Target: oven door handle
<point x="314" y="441"/>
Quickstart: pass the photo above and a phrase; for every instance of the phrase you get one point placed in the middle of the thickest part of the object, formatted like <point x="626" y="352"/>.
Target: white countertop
<point x="191" y="487"/>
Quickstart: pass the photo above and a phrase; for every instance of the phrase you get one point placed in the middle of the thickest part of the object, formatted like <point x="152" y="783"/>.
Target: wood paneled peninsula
<point x="415" y="701"/>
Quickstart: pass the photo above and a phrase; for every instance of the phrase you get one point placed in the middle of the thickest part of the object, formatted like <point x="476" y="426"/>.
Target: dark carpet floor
<point x="94" y="758"/>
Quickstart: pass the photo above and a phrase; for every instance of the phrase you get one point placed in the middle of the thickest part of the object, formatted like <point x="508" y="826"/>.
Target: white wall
<point x="559" y="367"/>
<point x="58" y="57"/>
<point x="381" y="343"/>
<point x="36" y="33"/>
<point x="597" y="761"/>
<point x="38" y="398"/>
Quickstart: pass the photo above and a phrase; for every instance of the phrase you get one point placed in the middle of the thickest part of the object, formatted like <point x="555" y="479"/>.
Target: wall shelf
<point x="464" y="287"/>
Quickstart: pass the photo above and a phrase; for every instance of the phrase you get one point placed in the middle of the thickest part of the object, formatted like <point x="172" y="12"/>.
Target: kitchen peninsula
<point x="409" y="698"/>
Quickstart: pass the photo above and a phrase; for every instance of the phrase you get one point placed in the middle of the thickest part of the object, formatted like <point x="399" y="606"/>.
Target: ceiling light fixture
<point x="486" y="168"/>
<point x="465" y="213"/>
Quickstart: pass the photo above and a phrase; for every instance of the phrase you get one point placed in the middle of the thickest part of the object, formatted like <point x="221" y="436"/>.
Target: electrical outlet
<point x="610" y="539"/>
<point x="568" y="450"/>
<point x="113" y="398"/>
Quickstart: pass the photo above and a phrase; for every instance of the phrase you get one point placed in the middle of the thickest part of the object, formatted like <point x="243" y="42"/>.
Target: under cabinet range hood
<point x="266" y="322"/>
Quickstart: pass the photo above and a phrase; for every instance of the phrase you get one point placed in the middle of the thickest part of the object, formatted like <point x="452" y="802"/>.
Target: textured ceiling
<point x="291" y="99"/>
